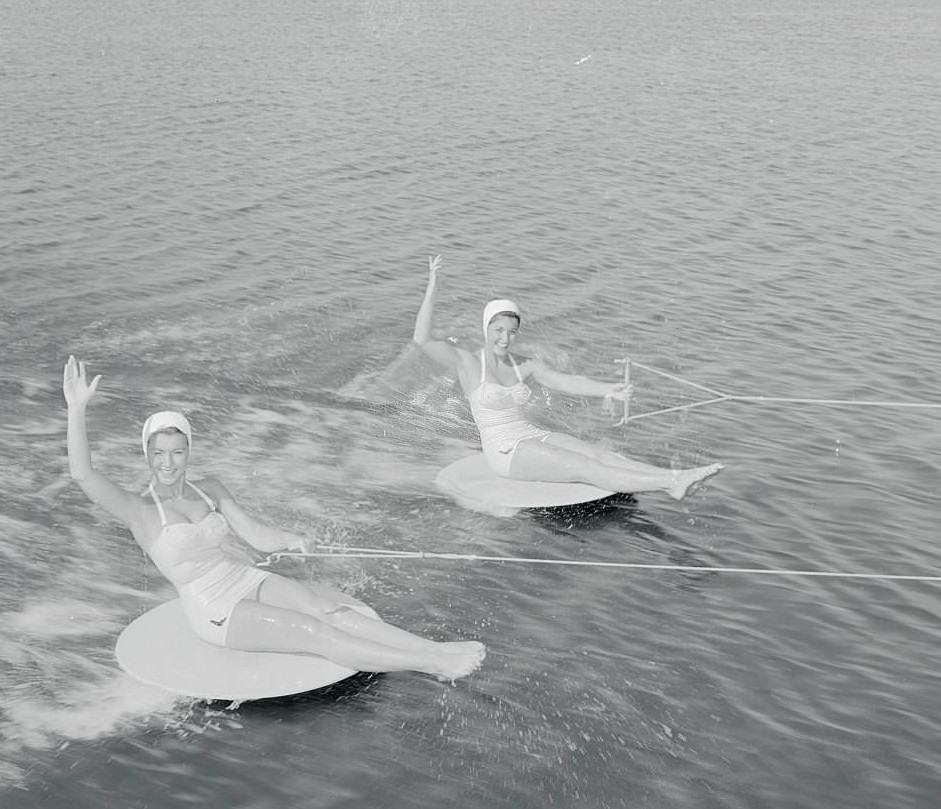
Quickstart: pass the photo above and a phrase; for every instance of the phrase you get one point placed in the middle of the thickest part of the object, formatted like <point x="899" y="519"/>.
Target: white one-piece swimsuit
<point x="208" y="582"/>
<point x="498" y="412"/>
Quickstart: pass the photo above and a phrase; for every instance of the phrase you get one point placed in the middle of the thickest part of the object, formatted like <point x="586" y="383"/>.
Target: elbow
<point x="266" y="547"/>
<point x="268" y="541"/>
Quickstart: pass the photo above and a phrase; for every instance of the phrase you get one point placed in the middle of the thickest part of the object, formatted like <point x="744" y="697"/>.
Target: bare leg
<point x="258" y="627"/>
<point x="684" y="478"/>
<point x="341" y="611"/>
<point x="549" y="461"/>
<point x="599" y="453"/>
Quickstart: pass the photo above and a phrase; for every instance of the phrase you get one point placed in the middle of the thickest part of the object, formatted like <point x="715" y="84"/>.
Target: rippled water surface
<point x="227" y="208"/>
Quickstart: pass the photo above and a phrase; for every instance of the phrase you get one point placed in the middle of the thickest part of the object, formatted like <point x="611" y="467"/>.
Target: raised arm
<point x="441" y="352"/>
<point x="101" y="491"/>
<point x="576" y="384"/>
<point x="266" y="538"/>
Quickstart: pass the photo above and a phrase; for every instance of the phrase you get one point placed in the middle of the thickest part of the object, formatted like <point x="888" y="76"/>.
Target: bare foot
<point x="683" y="479"/>
<point x="457" y="659"/>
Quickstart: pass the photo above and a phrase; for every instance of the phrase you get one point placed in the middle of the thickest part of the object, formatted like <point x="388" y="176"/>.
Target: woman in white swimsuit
<point x="229" y="602"/>
<point x="495" y="385"/>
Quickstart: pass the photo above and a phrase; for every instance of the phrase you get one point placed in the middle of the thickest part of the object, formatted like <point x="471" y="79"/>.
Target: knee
<point x="353" y="609"/>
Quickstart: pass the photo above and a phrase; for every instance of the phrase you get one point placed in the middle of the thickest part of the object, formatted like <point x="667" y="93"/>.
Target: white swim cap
<point x="165" y="420"/>
<point x="498" y="307"/>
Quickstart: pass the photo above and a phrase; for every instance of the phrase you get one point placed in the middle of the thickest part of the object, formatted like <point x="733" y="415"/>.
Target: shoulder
<point x="214" y="488"/>
<point x="528" y="365"/>
<point x="467" y="358"/>
<point x="127" y="506"/>
<point x="142" y="501"/>
<point x="443" y="352"/>
<point x="543" y="372"/>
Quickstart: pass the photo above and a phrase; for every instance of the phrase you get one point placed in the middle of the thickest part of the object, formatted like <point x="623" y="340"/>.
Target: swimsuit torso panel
<point x="209" y="582"/>
<point x="495" y="396"/>
<point x="184" y="551"/>
<point x="501" y="421"/>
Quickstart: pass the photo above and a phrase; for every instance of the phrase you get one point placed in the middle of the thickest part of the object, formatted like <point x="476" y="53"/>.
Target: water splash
<point x="61" y="683"/>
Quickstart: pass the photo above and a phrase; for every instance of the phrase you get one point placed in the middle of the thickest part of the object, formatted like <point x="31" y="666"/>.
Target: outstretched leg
<point x="568" y="460"/>
<point x="599" y="453"/>
<point x="342" y="611"/>
<point x="296" y="618"/>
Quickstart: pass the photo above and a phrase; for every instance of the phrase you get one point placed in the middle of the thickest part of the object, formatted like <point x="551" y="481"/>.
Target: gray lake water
<point x="227" y="207"/>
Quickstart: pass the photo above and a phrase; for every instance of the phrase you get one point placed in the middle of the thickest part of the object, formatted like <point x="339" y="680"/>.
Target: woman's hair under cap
<point x="165" y="420"/>
<point x="499" y="306"/>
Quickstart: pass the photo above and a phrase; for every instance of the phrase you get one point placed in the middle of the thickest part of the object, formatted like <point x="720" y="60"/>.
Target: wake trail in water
<point x="61" y="683"/>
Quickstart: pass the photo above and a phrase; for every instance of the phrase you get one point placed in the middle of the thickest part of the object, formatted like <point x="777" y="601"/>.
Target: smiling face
<point x="501" y="332"/>
<point x="168" y="454"/>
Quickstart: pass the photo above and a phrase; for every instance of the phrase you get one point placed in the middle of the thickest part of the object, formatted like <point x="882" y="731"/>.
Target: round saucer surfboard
<point x="471" y="482"/>
<point x="160" y="649"/>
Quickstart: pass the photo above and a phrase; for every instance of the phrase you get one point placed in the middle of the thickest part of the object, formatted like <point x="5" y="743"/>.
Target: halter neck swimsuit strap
<point x="483" y="366"/>
<point x="201" y="493"/>
<point x="159" y="505"/>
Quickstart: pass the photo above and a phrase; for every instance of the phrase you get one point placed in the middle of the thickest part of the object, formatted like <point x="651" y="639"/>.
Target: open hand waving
<point x="75" y="385"/>
<point x="434" y="264"/>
